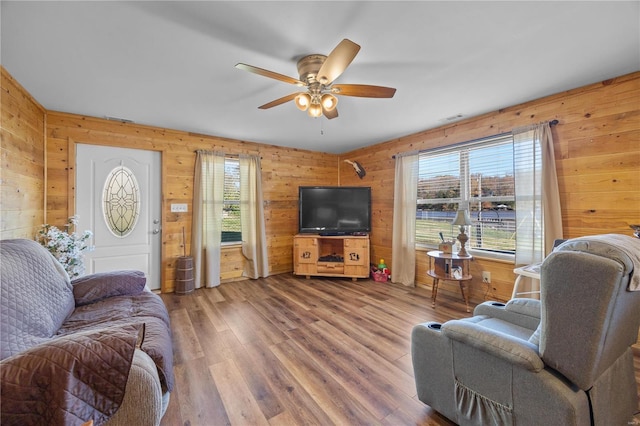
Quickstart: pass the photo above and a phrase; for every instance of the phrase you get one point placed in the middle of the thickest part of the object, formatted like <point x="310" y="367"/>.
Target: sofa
<point x="96" y="349"/>
<point x="565" y="359"/>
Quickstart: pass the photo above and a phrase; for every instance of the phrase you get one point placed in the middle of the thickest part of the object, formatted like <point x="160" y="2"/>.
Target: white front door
<point x="118" y="198"/>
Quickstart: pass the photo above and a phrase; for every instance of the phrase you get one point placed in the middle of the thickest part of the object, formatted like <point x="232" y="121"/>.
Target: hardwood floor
<point x="291" y="351"/>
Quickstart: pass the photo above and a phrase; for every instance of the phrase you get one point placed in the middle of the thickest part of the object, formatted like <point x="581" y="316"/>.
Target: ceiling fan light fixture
<point x="329" y="102"/>
<point x="317" y="73"/>
<point x="303" y="100"/>
<point x="315" y="110"/>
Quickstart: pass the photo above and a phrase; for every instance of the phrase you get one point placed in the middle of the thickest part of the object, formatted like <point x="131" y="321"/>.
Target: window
<point x="121" y="201"/>
<point x="231" y="228"/>
<point x="477" y="176"/>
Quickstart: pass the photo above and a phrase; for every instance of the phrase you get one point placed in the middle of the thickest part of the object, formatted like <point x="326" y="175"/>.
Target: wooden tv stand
<point x="331" y="256"/>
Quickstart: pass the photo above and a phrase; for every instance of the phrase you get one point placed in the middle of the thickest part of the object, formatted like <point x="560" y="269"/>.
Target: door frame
<point x="71" y="192"/>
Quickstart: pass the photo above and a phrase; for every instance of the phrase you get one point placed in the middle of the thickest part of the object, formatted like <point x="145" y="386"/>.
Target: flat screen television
<point x="334" y="210"/>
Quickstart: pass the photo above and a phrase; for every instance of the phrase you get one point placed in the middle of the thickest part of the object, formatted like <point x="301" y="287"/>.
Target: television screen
<point x="334" y="210"/>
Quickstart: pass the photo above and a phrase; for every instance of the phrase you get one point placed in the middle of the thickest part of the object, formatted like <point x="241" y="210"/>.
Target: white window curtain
<point x="538" y="211"/>
<point x="206" y="231"/>
<point x="403" y="249"/>
<point x="254" y="239"/>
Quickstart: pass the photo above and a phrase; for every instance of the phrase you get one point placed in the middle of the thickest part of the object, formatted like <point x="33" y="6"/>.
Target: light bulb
<point x="329" y="101"/>
<point x="303" y="100"/>
<point x="315" y="110"/>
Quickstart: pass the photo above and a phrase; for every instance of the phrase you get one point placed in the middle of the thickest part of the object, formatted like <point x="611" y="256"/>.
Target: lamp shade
<point x="315" y="110"/>
<point x="329" y="101"/>
<point x="303" y="100"/>
<point x="462" y="218"/>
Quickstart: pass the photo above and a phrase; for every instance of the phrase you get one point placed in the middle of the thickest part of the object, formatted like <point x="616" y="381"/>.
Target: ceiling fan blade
<point x="337" y="61"/>
<point x="330" y="114"/>
<point x="363" y="90"/>
<point x="279" y="101"/>
<point x="270" y="74"/>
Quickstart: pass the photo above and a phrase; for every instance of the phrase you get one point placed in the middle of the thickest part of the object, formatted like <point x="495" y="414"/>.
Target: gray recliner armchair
<point x="565" y="359"/>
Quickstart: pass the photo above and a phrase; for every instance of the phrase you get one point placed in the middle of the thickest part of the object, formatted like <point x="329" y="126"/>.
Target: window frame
<point x="226" y="236"/>
<point x="126" y="197"/>
<point x="465" y="198"/>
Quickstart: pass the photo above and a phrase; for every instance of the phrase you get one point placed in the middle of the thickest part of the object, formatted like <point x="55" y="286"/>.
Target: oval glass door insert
<point x="121" y="201"/>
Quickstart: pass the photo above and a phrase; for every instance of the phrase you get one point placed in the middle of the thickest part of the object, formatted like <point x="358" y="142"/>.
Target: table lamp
<point x="462" y="219"/>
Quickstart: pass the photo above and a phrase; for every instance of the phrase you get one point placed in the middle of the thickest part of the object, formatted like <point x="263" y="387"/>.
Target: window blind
<point x="477" y="176"/>
<point x="231" y="228"/>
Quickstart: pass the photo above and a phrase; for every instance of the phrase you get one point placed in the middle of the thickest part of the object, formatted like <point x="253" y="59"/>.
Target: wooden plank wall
<point x="22" y="175"/>
<point x="283" y="169"/>
<point x="596" y="143"/>
<point x="597" y="149"/>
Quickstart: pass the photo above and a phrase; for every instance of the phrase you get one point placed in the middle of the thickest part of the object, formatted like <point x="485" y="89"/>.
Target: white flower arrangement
<point x="67" y="247"/>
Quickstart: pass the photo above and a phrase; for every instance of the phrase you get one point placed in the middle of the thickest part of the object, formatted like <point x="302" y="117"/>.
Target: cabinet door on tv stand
<point x="305" y="255"/>
<point x="356" y="256"/>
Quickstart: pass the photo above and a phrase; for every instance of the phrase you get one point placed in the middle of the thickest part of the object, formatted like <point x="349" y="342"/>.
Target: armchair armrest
<point x="143" y="402"/>
<point x="95" y="287"/>
<point x="523" y="312"/>
<point x="512" y="349"/>
<point x="524" y="306"/>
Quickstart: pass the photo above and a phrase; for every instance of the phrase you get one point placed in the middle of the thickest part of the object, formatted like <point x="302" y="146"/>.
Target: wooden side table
<point x="450" y="267"/>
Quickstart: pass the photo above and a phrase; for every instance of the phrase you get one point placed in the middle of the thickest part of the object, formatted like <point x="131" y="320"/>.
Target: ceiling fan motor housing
<point x="309" y="66"/>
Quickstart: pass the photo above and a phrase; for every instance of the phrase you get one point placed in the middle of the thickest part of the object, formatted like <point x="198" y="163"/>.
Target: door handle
<point x="156" y="231"/>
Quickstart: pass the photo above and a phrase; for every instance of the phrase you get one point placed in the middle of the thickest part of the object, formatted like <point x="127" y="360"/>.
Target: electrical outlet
<point x="486" y="277"/>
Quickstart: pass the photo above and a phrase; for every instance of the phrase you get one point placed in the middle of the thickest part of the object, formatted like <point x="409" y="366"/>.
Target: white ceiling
<point x="171" y="64"/>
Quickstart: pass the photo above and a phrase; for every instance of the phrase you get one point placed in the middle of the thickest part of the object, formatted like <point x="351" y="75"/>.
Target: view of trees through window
<point x="477" y="177"/>
<point x="231" y="229"/>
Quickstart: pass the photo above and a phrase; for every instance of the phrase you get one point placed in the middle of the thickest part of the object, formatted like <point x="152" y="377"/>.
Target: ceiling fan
<point x="317" y="74"/>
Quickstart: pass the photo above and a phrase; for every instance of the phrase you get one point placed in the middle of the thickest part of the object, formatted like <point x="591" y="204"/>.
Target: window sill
<point x="236" y="244"/>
